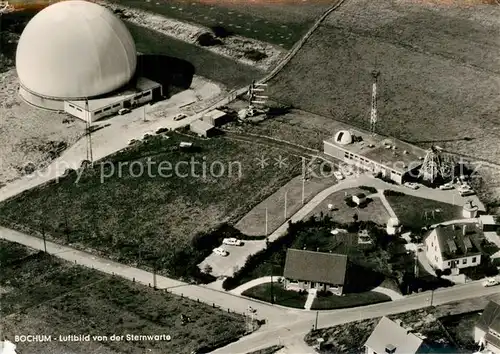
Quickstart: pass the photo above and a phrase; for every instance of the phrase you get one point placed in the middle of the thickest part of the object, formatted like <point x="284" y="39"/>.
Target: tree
<point x="207" y="269"/>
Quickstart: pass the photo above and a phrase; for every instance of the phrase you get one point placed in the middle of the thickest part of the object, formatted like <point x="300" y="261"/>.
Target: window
<point x="473" y="259"/>
<point x="464" y="261"/>
<point x="97" y="112"/>
<point x="116" y="105"/>
<point x="78" y="109"/>
<point x="432" y="244"/>
<point x="72" y="106"/>
<point x="106" y="109"/>
<point x="346" y="154"/>
<point x="436" y="258"/>
<point x="449" y="264"/>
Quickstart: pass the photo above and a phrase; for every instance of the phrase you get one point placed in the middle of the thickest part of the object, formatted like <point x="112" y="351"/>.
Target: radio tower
<point x="436" y="166"/>
<point x="373" y="112"/>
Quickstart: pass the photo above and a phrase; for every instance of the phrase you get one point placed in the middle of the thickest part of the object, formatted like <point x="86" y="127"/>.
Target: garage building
<point x="202" y="128"/>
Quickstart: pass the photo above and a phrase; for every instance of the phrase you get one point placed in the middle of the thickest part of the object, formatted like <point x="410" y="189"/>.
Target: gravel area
<point x="29" y="135"/>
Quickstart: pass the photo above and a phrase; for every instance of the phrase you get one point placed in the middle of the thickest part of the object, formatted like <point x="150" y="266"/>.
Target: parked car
<point x="124" y="111"/>
<point x="465" y="190"/>
<point x="446" y="186"/>
<point x="338" y="175"/>
<point x="180" y="116"/>
<point x="411" y="185"/>
<point x="232" y="242"/>
<point x="148" y="135"/>
<point x="490" y="282"/>
<point x="220" y="251"/>
<point x="132" y="142"/>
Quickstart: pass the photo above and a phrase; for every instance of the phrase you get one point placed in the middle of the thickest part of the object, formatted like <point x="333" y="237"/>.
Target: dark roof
<point x="490" y="317"/>
<point x="319" y="267"/>
<point x="455" y="243"/>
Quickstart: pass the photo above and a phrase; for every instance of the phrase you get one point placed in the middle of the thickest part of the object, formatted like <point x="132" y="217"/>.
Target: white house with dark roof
<point x="487" y="329"/>
<point x="453" y="247"/>
<point x="306" y="270"/>
<point x="388" y="337"/>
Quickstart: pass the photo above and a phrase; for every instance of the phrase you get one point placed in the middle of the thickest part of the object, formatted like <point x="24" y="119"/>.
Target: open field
<point x="44" y="295"/>
<point x="151" y="217"/>
<point x="331" y="302"/>
<point x="439" y="79"/>
<point x="277" y="23"/>
<point x="206" y="64"/>
<point x="373" y="211"/>
<point x="415" y="213"/>
<point x="30" y="137"/>
<point x="350" y="337"/>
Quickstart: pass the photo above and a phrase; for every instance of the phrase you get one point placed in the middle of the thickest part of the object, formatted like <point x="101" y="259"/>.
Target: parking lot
<point x="226" y="266"/>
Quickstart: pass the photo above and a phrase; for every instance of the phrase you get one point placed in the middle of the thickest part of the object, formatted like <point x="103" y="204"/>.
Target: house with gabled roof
<point x="305" y="270"/>
<point x="453" y="247"/>
<point x="487" y="329"/>
<point x="390" y="337"/>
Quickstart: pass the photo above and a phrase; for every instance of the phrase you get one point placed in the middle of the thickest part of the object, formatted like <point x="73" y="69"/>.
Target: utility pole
<point x="432" y="297"/>
<point x="44" y="241"/>
<point x="272" y="294"/>
<point x="373" y="112"/>
<point x="144" y="112"/>
<point x="285" y="203"/>
<point x="266" y="221"/>
<point x="303" y="187"/>
<point x="89" y="135"/>
<point x="316" y="321"/>
<point x="154" y="277"/>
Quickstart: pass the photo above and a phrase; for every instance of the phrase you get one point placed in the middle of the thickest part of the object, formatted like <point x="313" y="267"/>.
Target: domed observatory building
<point x="78" y="57"/>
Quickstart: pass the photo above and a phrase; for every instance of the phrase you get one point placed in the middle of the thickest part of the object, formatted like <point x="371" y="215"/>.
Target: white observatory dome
<point x="74" y="49"/>
<point x="343" y="137"/>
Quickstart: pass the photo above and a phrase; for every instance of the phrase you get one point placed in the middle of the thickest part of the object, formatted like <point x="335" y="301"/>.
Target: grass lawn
<point x="461" y="328"/>
<point x="373" y="211"/>
<point x="207" y="64"/>
<point x="44" y="295"/>
<point x="439" y="81"/>
<point x="331" y="302"/>
<point x="149" y="219"/>
<point x="282" y="297"/>
<point x="415" y="213"/>
<point x="253" y="223"/>
<point x="281" y="24"/>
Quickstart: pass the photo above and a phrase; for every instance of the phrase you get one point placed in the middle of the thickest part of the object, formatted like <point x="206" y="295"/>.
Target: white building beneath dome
<point x="74" y="51"/>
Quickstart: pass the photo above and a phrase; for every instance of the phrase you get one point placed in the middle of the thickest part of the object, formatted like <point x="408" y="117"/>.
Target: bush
<point x="348" y="201"/>
<point x="447" y="271"/>
<point x="221" y="32"/>
<point x="369" y="189"/>
<point x="389" y="192"/>
<point x="255" y="55"/>
<point x="207" y="39"/>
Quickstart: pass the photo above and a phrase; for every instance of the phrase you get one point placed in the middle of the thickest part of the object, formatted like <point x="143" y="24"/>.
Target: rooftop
<point x="215" y="114"/>
<point x="389" y="335"/>
<point x="201" y="125"/>
<point x="488" y="219"/>
<point x="387" y="151"/>
<point x="490" y="318"/>
<point x="319" y="267"/>
<point x="457" y="240"/>
<point x="142" y="84"/>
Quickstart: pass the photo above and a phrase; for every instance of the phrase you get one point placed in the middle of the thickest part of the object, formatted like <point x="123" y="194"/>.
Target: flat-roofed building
<point x="392" y="158"/>
<point x="202" y="128"/>
<point x="216" y="117"/>
<point x="145" y="90"/>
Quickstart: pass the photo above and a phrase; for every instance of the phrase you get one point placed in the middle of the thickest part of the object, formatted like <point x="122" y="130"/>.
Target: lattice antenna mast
<point x="255" y="97"/>
<point x="373" y="112"/>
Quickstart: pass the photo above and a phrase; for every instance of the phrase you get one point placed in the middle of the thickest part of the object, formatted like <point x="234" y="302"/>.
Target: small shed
<point x="202" y="128"/>
<point x="359" y="198"/>
<point x="469" y="210"/>
<point x="488" y="222"/>
<point x="216" y="118"/>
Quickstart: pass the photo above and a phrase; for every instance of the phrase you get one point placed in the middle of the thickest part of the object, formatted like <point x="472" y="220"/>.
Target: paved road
<point x="273" y="314"/>
<point x="110" y="139"/>
<point x="294" y="330"/>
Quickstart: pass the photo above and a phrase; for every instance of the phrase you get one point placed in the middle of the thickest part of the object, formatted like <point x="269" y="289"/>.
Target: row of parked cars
<point x="229" y="242"/>
<point x="464" y="189"/>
